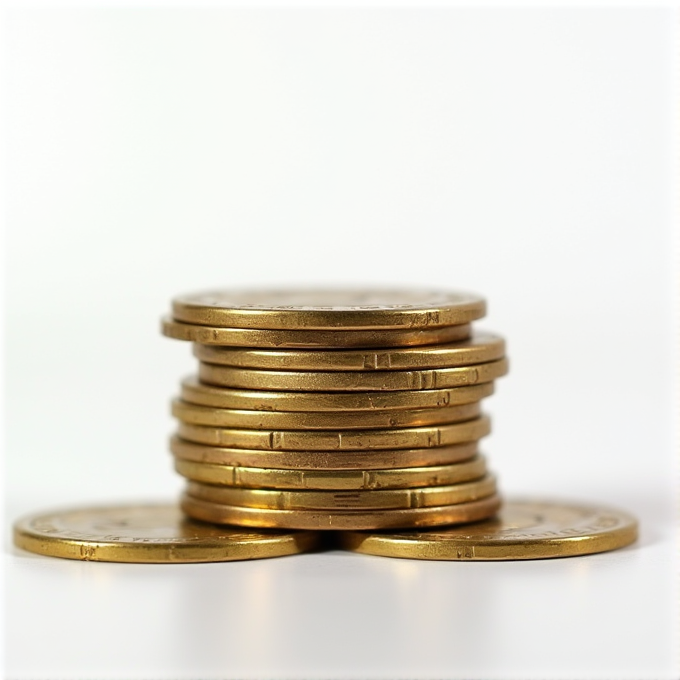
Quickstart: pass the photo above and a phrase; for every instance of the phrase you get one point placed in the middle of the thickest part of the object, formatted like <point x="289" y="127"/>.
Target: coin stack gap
<point x="335" y="409"/>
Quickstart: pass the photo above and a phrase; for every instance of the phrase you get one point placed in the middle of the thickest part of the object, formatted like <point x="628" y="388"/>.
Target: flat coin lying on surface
<point x="376" y="459"/>
<point x="335" y="420"/>
<point x="272" y="478"/>
<point x="148" y="533"/>
<point x="480" y="348"/>
<point x="381" y="499"/>
<point x="328" y="309"/>
<point x="341" y="519"/>
<point x="330" y="381"/>
<point x="295" y="338"/>
<point x="196" y="392"/>
<point x="524" y="530"/>
<point x="342" y="440"/>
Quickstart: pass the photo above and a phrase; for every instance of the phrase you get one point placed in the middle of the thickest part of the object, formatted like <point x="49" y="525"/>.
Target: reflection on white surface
<point x="340" y="614"/>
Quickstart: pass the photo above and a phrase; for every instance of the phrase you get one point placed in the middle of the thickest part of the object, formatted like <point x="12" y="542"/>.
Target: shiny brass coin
<point x="376" y="459"/>
<point x="257" y="337"/>
<point x="148" y="533"/>
<point x="481" y="348"/>
<point x="331" y="381"/>
<point x="328" y="309"/>
<point x="381" y="499"/>
<point x="345" y="440"/>
<point x="337" y="420"/>
<point x="524" y="530"/>
<point x="400" y="478"/>
<point x="196" y="392"/>
<point x="342" y="519"/>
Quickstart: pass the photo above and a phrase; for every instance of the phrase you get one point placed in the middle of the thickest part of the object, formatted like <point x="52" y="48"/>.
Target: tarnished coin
<point x="196" y="392"/>
<point x="480" y="348"/>
<point x="328" y="309"/>
<point x="271" y="478"/>
<point x="336" y="420"/>
<point x="343" y="440"/>
<point x="376" y="459"/>
<point x="341" y="519"/>
<point x="380" y="499"/>
<point x="332" y="381"/>
<point x="524" y="530"/>
<point x="148" y="533"/>
<point x="295" y="338"/>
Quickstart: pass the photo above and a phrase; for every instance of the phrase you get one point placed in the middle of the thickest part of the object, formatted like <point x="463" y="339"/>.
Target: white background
<point x="526" y="154"/>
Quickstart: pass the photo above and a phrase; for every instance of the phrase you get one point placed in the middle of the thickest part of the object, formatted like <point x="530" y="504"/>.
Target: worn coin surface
<point x="328" y="309"/>
<point x="336" y="420"/>
<point x="148" y="533"/>
<point x="380" y="499"/>
<point x="323" y="460"/>
<point x="196" y="392"/>
<point x="342" y="440"/>
<point x="340" y="519"/>
<point x="272" y="478"/>
<point x="331" y="381"/>
<point x="295" y="338"/>
<point x="524" y="530"/>
<point x="480" y="348"/>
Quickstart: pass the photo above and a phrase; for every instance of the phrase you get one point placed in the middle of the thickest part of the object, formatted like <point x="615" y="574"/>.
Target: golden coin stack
<point x="335" y="409"/>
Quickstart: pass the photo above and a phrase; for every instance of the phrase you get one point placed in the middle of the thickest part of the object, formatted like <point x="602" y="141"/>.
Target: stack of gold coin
<point x="335" y="409"/>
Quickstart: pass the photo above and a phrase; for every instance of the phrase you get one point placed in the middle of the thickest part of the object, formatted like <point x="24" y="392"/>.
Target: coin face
<point x="328" y="309"/>
<point x="347" y="519"/>
<point x="360" y="381"/>
<point x="196" y="392"/>
<point x="296" y="338"/>
<point x="273" y="478"/>
<point x="523" y="530"/>
<point x="148" y="533"/>
<point x="480" y="348"/>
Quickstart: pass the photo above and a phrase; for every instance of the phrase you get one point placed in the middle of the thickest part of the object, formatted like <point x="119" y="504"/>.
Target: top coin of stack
<point x="335" y="409"/>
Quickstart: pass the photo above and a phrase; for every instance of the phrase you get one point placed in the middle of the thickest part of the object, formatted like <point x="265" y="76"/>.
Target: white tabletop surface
<point x="343" y="615"/>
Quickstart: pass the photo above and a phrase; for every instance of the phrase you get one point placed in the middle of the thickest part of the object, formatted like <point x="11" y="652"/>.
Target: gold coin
<point x="481" y="348"/>
<point x="148" y="533"/>
<point x="399" y="478"/>
<point x="328" y="309"/>
<point x="382" y="499"/>
<point x="331" y="381"/>
<point x="337" y="420"/>
<point x="345" y="440"/>
<point x="347" y="519"/>
<point x="196" y="392"/>
<point x="257" y="337"/>
<point x="377" y="459"/>
<point x="524" y="530"/>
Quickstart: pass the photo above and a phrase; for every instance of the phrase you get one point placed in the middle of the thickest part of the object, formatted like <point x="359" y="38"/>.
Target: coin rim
<point x="322" y="520"/>
<point x="352" y="479"/>
<point x="490" y="549"/>
<point x="317" y="440"/>
<point x="339" y="401"/>
<point x="197" y="414"/>
<point x="346" y="381"/>
<point x="26" y="537"/>
<point x="367" y="460"/>
<point x="481" y="347"/>
<point x="312" y="339"/>
<point x="462" y="307"/>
